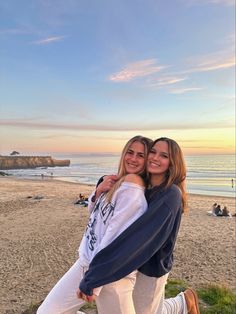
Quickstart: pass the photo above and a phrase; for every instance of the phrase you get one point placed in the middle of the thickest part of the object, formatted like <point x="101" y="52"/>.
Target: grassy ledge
<point x="213" y="299"/>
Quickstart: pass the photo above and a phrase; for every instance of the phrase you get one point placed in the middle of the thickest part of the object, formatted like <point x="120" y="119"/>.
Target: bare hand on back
<point x="106" y="185"/>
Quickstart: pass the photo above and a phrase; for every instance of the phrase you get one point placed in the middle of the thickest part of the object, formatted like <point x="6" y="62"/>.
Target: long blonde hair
<point x="147" y="142"/>
<point x="176" y="174"/>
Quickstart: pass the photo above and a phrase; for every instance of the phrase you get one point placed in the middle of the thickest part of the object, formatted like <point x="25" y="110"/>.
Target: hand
<point x="87" y="298"/>
<point x="106" y="184"/>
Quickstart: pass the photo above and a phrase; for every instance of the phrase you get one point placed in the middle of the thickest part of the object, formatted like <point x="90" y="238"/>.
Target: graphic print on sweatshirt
<point x="98" y="222"/>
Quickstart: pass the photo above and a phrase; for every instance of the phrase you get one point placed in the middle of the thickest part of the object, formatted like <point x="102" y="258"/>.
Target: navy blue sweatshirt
<point x="146" y="245"/>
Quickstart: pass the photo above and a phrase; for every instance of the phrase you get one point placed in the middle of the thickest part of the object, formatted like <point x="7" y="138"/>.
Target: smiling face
<point x="134" y="159"/>
<point x="158" y="162"/>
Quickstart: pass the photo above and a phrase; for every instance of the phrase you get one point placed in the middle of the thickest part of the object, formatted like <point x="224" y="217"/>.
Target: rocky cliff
<point x="23" y="162"/>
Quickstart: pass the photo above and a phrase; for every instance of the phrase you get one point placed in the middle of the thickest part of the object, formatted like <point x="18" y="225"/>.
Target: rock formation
<point x="14" y="153"/>
<point x="24" y="162"/>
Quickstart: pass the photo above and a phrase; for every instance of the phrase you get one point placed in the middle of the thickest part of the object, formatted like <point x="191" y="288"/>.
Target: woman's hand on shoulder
<point x="134" y="178"/>
<point x="106" y="185"/>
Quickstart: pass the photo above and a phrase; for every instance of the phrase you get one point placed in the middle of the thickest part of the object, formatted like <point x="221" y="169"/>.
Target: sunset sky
<point x="85" y="76"/>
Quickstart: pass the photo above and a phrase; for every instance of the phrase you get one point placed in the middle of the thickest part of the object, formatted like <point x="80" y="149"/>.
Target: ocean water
<point x="206" y="175"/>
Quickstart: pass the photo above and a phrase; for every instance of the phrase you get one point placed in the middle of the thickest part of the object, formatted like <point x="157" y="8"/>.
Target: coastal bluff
<point x="24" y="162"/>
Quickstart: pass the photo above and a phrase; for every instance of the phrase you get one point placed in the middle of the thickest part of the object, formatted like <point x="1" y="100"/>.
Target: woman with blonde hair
<point x="110" y="183"/>
<point x="148" y="244"/>
<point x="111" y="214"/>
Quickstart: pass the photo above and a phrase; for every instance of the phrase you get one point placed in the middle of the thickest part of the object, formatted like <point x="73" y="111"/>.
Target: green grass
<point x="213" y="299"/>
<point x="88" y="306"/>
<point x="32" y="308"/>
<point x="173" y="287"/>
<point x="218" y="300"/>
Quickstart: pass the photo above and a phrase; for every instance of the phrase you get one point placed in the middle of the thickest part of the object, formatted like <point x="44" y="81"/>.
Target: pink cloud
<point x="185" y="90"/>
<point x="135" y="70"/>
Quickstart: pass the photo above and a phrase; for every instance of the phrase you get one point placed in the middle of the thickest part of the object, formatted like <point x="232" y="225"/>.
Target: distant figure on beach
<point x="226" y="212"/>
<point x="218" y="211"/>
<point x="214" y="208"/>
<point x="42" y="176"/>
<point x="82" y="197"/>
<point x="82" y="200"/>
<point x="232" y="183"/>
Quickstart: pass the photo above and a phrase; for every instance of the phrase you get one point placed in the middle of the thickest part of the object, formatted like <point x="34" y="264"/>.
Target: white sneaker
<point x="79" y="312"/>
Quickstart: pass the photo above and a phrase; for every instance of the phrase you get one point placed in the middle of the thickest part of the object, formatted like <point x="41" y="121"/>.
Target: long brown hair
<point x="147" y="142"/>
<point x="176" y="174"/>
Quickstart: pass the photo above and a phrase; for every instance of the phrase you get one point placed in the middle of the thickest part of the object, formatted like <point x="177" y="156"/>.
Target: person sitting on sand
<point x="212" y="211"/>
<point x="225" y="212"/>
<point x="214" y="207"/>
<point x="218" y="211"/>
<point x="82" y="200"/>
<point x="82" y="197"/>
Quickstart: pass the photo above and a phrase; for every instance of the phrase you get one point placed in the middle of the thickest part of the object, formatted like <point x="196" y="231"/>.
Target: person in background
<point x="218" y="211"/>
<point x="148" y="244"/>
<point x="212" y="211"/>
<point x="112" y="213"/>
<point x="213" y="208"/>
<point x="226" y="212"/>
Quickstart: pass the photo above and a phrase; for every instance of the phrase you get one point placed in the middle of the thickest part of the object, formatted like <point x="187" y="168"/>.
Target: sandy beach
<point x="39" y="240"/>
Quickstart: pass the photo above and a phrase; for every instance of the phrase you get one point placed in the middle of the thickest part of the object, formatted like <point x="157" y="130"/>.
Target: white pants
<point x="62" y="299"/>
<point x="115" y="298"/>
<point x="149" y="297"/>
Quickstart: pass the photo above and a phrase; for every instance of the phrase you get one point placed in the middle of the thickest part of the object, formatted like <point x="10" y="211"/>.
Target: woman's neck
<point x="156" y="180"/>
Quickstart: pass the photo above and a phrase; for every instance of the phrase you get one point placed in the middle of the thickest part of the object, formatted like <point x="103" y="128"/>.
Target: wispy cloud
<point x="213" y="64"/>
<point x="154" y="74"/>
<point x="14" y="31"/>
<point x="166" y="80"/>
<point x="136" y="70"/>
<point x="229" y="41"/>
<point x="205" y="2"/>
<point x="216" y="61"/>
<point x="185" y="90"/>
<point x="48" y="40"/>
<point x="26" y="124"/>
<point x="79" y="136"/>
<point x="207" y="147"/>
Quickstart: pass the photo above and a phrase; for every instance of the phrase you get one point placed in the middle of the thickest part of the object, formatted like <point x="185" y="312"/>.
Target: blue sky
<point x="85" y="76"/>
